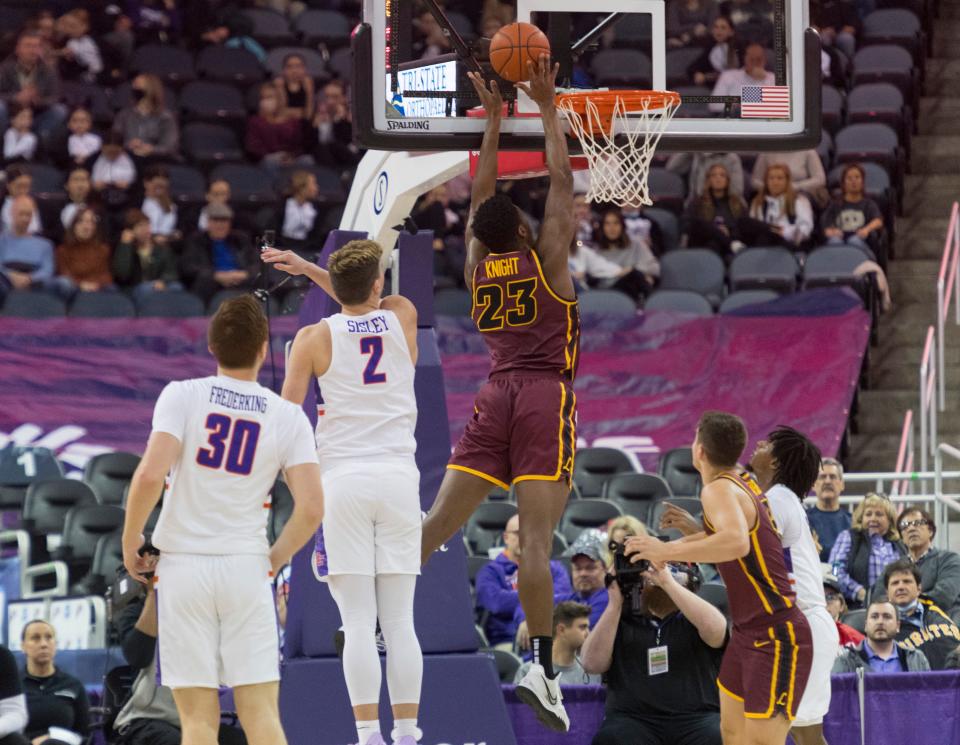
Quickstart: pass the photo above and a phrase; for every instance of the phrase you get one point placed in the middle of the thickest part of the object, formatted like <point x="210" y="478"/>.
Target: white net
<point x="618" y="156"/>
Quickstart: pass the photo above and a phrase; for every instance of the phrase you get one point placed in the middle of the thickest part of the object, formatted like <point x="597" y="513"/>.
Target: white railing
<point x="944" y="502"/>
<point x="928" y="402"/>
<point x="948" y="284"/>
<point x="904" y="456"/>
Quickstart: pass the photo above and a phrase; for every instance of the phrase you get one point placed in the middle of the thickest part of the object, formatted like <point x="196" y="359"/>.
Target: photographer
<point x="660" y="651"/>
<point x="149" y="717"/>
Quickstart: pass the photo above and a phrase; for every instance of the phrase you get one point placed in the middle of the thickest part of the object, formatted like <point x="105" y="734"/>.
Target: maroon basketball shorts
<point x="767" y="668"/>
<point x="523" y="429"/>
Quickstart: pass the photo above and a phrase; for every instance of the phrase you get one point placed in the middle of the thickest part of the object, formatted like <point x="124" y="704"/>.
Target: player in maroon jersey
<point x="523" y="428"/>
<point x="767" y="662"/>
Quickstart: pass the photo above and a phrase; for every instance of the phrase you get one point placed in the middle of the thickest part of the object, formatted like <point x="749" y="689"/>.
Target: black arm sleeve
<point x="138" y="648"/>
<point x="9" y="675"/>
<point x="81" y="707"/>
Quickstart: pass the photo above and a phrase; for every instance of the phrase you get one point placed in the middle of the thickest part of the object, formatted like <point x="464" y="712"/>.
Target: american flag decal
<point x="765" y="102"/>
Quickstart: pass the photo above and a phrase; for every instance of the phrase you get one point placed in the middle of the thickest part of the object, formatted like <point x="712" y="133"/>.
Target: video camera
<point x="630" y="579"/>
<point x="124" y="589"/>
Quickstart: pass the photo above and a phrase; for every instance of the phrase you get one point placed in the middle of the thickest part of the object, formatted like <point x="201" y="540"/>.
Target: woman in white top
<point x="614" y="243"/>
<point x="158" y="205"/>
<point x="218" y="192"/>
<point x="299" y="212"/>
<point x="787" y="215"/>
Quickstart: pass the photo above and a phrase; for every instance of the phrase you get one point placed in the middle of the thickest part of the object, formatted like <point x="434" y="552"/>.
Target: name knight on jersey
<point x="502" y="267"/>
<point x="237" y="401"/>
<point x="375" y="325"/>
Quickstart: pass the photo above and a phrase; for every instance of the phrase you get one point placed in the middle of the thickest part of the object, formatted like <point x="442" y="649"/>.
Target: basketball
<point x="512" y="46"/>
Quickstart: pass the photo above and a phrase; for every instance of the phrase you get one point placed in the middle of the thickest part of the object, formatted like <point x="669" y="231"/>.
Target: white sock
<point x="404" y="727"/>
<point x="365" y="730"/>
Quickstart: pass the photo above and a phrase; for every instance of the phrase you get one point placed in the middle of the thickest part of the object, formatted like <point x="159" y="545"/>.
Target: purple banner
<point x="643" y="382"/>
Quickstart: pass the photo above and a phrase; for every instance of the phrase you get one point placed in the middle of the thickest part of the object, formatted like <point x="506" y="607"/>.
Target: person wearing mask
<point x="56" y="701"/>
<point x="219" y="258"/>
<point x="571" y="626"/>
<point x="827" y="518"/>
<point x="140" y="263"/>
<point x="148" y="128"/>
<point x="274" y="135"/>
<point x="83" y="259"/>
<point x="879" y="652"/>
<point x="25" y="259"/>
<point x="13" y="704"/>
<point x="780" y="214"/>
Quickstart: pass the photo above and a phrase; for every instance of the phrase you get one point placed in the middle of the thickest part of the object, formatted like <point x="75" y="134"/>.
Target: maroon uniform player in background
<point x="767" y="662"/>
<point x="523" y="428"/>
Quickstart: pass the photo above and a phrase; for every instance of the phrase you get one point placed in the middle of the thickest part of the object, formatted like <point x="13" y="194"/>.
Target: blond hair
<point x="353" y="270"/>
<point x="872" y="499"/>
<point x="629" y="523"/>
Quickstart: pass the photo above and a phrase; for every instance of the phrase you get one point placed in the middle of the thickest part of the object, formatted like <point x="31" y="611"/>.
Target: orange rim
<point x="606" y="102"/>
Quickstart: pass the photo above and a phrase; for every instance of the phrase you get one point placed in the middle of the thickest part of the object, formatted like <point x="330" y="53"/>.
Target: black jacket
<point x="56" y="701"/>
<point x="197" y="269"/>
<point x="129" y="270"/>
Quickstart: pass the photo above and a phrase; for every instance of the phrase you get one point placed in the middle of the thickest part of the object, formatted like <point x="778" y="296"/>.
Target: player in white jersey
<point x="223" y="440"/>
<point x="364" y="360"/>
<point x="787" y="464"/>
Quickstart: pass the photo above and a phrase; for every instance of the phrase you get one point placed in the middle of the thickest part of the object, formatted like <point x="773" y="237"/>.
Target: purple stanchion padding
<point x="461" y="703"/>
<point x="416" y="273"/>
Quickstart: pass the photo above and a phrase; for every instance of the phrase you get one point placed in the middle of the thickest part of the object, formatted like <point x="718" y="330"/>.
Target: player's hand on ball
<point x="490" y="97"/>
<point x="542" y="78"/>
<point x="677" y="518"/>
<point x="639" y="547"/>
<point x="285" y="261"/>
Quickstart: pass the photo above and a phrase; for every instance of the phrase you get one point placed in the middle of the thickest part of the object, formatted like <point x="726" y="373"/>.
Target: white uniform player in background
<point x="369" y="548"/>
<point x="223" y="440"/>
<point x="787" y="464"/>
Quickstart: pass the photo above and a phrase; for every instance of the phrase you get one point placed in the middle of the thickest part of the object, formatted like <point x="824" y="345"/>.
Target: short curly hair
<point x="496" y="224"/>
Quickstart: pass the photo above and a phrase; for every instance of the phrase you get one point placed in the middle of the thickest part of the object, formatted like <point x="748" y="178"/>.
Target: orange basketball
<point x="512" y="46"/>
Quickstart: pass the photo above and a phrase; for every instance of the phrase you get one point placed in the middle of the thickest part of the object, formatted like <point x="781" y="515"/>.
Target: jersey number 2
<point x="489" y="299"/>
<point x="372" y="345"/>
<point x="242" y="435"/>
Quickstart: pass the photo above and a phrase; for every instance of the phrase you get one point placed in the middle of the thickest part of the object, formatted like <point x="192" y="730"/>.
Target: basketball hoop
<point x="619" y="161"/>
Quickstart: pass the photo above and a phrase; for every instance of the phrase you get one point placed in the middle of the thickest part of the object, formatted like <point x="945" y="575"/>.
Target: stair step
<point x="931" y="195"/>
<point x="938" y="113"/>
<point x="936" y="153"/>
<point x="882" y="411"/>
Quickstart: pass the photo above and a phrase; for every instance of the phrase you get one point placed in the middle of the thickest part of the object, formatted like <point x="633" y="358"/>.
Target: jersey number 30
<point x="235" y="439"/>
<point x="489" y="300"/>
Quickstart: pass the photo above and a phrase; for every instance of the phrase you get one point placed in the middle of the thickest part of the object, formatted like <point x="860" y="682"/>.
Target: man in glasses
<point x="939" y="569"/>
<point x="828" y="519"/>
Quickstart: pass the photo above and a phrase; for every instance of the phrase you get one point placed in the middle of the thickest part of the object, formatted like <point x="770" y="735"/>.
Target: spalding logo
<point x="422" y="124"/>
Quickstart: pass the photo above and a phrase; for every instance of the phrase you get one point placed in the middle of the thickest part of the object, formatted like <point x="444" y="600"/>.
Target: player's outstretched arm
<point x="146" y="488"/>
<point x="730" y="541"/>
<point x="309" y="357"/>
<point x="307" y="490"/>
<point x="485" y="179"/>
<point x="559" y="225"/>
<point x="291" y="263"/>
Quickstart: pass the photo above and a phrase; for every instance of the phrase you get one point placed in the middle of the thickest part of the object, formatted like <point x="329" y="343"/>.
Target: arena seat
<point x="560" y="545"/>
<point x="699" y="270"/>
<point x="107" y="558"/>
<point x="341" y="63"/>
<point x="669" y="226"/>
<point x="108" y="475"/>
<point x="743" y="298"/>
<point x="690" y="504"/>
<point x="33" y="304"/>
<point x="474" y="565"/>
<point x="45" y="508"/>
<point x="607" y="303"/>
<point x="594" y="467"/>
<point x="679" y="301"/>
<point x="328" y="27"/>
<point x="899" y="26"/>
<point x="76" y="94"/>
<point x="633" y="32"/>
<point x="716" y="595"/>
<point x="211" y="101"/>
<point x="82" y="530"/>
<point x="507" y="663"/>
<point x="832" y="105"/>
<point x="248" y="183"/>
<point x="677" y="63"/>
<point x="856" y="619"/>
<point x="635" y="492"/>
<point x="587" y="513"/>
<point x="872" y="141"/>
<point x="676" y="466"/>
<point x="619" y="67"/>
<point x="486" y="525"/>
<point x="170" y="304"/>
<point x="884" y="103"/>
<point x="14" y="468"/>
<point x="237" y="66"/>
<point x="825" y="149"/>
<point x="887" y="63"/>
<point x="270" y="28"/>
<point x="102" y="304"/>
<point x="668" y="190"/>
<point x="833" y="265"/>
<point x="761" y="268"/>
<point x="187" y="184"/>
<point x="174" y="66"/>
<point x="48" y="182"/>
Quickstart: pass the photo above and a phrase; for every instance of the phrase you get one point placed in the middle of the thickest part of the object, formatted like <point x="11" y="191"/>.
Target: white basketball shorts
<point x="371" y="517"/>
<point x="826" y="644"/>
<point x="217" y="621"/>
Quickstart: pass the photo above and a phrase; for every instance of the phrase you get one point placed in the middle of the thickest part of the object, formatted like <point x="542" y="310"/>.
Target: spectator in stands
<point x="149" y="130"/>
<point x="713" y="219"/>
<point x="274" y="137"/>
<point x="158" y="205"/>
<point x="939" y="570"/>
<point x="879" y="652"/>
<point x="854" y="218"/>
<point x="806" y="172"/>
<point x="83" y="259"/>
<point x="589" y="268"/>
<point x="55" y="699"/>
<point x="82" y="144"/>
<point x="588" y="572"/>
<point x="13" y="704"/>
<point x="44" y="24"/>
<point x="923" y="624"/>
<point x="838" y="24"/>
<point x="861" y="553"/>
<point x="218" y="258"/>
<point x="827" y="518"/>
<point x="113" y="172"/>
<point x="140" y="263"/>
<point x="150" y="715"/>
<point x="26" y="80"/>
<point x="434" y="41"/>
<point x="218" y="192"/>
<point x="435" y="213"/>
<point x="660" y="664"/>
<point x="79" y="191"/>
<point x="786" y="215"/>
<point x="155" y="21"/>
<point x="19" y="143"/>
<point x="296" y="88"/>
<point x="619" y="530"/>
<point x="496" y="585"/>
<point x="753" y="72"/>
<point x="19" y="184"/>
<point x="80" y="57"/>
<point x="571" y="625"/>
<point x="613" y="243"/>
<point x="298" y="224"/>
<point x="696" y="165"/>
<point x="233" y="31"/>
<point x="25" y="259"/>
<point x="334" y="128"/>
<point x="717" y="57"/>
<point x="836" y="607"/>
<point x="688" y="22"/>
